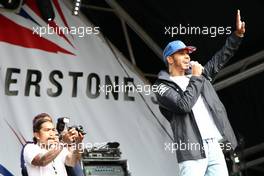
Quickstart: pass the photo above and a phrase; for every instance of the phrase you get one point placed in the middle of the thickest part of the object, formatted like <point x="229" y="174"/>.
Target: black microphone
<point x="113" y="144"/>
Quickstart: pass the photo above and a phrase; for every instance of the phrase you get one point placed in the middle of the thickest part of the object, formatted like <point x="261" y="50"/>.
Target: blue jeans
<point x="213" y="165"/>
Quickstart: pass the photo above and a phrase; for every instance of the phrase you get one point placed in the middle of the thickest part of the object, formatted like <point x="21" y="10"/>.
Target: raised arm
<point x="214" y="65"/>
<point x="54" y="150"/>
<point x="43" y="160"/>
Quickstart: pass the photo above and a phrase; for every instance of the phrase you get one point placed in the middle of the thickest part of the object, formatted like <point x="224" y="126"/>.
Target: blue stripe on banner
<point x="24" y="14"/>
<point x="4" y="171"/>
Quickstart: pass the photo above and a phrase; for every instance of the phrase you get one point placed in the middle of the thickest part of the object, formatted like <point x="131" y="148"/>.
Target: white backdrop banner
<point x="66" y="68"/>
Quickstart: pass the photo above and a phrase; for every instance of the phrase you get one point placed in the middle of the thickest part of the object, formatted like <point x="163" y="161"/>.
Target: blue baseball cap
<point x="175" y="46"/>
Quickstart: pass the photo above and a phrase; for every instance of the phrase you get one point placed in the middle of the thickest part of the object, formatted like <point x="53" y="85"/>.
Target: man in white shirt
<point x="47" y="156"/>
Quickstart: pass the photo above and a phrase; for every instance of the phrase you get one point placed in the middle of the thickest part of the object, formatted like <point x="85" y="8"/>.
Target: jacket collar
<point x="164" y="75"/>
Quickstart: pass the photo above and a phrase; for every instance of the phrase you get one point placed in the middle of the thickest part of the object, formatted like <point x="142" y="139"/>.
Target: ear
<point x="170" y="60"/>
<point x="36" y="135"/>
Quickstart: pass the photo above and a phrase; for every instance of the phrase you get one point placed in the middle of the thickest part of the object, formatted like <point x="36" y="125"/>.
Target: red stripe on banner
<point x="15" y="133"/>
<point x="57" y="5"/>
<point x="13" y="33"/>
<point x="33" y="6"/>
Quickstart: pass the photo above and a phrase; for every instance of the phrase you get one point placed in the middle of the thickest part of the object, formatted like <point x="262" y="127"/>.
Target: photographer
<point x="47" y="156"/>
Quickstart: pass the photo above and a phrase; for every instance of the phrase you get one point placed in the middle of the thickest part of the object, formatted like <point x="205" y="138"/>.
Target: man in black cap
<point x="189" y="102"/>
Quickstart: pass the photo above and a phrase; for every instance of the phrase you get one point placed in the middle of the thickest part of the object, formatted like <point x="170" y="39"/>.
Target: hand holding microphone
<point x="197" y="69"/>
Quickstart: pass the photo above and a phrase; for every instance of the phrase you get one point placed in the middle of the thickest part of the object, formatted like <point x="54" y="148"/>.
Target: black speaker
<point x="105" y="167"/>
<point x="46" y="10"/>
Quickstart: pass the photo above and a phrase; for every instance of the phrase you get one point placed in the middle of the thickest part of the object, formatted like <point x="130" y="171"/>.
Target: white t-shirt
<point x="202" y="115"/>
<point x="55" y="168"/>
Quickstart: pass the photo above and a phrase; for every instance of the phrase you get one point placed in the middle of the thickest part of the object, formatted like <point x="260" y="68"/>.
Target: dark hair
<point x="41" y="116"/>
<point x="38" y="121"/>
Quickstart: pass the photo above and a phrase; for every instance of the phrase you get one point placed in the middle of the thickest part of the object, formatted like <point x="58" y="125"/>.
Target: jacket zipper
<point x="216" y="121"/>
<point x="199" y="135"/>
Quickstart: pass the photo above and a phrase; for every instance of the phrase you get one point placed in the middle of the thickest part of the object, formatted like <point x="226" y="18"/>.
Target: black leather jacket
<point x="176" y="105"/>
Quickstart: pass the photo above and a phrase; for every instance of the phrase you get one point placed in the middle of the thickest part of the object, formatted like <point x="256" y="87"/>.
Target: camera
<point x="62" y="124"/>
<point x="78" y="128"/>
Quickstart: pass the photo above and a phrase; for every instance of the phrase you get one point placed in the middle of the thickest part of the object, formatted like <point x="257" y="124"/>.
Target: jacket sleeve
<point x="217" y="62"/>
<point x="174" y="101"/>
